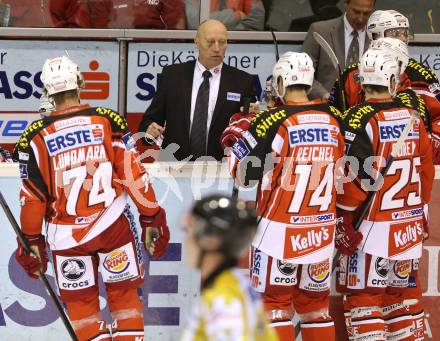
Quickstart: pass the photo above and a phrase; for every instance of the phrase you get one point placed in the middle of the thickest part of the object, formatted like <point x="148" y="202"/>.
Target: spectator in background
<point x="29" y="13"/>
<point x="237" y="15"/>
<point x="100" y="13"/>
<point x="70" y="13"/>
<point x="348" y="39"/>
<point x="322" y="10"/>
<point x="158" y="14"/>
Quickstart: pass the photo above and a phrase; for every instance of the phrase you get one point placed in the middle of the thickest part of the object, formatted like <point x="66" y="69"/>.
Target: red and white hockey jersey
<point x="292" y="151"/>
<point x="76" y="167"/>
<point x="393" y="227"/>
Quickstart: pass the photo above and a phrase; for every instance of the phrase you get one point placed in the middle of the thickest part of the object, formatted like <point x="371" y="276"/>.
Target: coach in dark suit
<point x="348" y="39"/>
<point x="195" y="100"/>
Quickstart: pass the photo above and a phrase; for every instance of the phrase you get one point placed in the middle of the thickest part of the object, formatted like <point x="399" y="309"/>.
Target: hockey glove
<point x="155" y="233"/>
<point x="238" y="123"/>
<point x="347" y="239"/>
<point x="5" y="156"/>
<point x="33" y="263"/>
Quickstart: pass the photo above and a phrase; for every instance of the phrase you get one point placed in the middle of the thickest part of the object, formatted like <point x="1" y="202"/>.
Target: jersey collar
<point x="70" y="110"/>
<point x="314" y="101"/>
<point x="380" y="100"/>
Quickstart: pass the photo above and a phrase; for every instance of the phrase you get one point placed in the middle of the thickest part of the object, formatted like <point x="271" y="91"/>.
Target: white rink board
<point x="170" y="287"/>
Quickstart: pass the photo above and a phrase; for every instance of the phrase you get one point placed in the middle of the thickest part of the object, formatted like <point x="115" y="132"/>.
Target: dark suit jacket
<point x="172" y="104"/>
<point x="325" y="73"/>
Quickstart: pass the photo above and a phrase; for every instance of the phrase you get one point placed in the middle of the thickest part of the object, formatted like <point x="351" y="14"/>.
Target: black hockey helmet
<point x="234" y="221"/>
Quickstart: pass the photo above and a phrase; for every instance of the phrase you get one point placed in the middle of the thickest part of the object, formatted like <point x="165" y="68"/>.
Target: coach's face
<point x="211" y="41"/>
<point x="358" y="12"/>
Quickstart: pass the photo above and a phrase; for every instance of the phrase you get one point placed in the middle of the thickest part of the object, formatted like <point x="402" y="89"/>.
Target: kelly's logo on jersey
<point x="308" y="134"/>
<point x="403" y="236"/>
<point x="116" y="262"/>
<point x="74" y="137"/>
<point x="391" y="131"/>
<point x="302" y="241"/>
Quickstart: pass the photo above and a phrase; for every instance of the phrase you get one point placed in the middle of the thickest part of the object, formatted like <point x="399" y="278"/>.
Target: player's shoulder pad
<point x="418" y="72"/>
<point x="356" y="116"/>
<point x="352" y="67"/>
<point x="268" y="119"/>
<point x="116" y="120"/>
<point x="336" y="113"/>
<point x="409" y="99"/>
<point x="33" y="129"/>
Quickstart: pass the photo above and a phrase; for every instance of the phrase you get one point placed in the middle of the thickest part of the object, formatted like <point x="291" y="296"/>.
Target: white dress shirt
<point x="214" y="85"/>
<point x="348" y="29"/>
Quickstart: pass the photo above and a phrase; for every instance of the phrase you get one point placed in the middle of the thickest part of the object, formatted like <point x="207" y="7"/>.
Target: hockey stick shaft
<point x="371" y="195"/>
<point x="42" y="276"/>
<point x="389" y="161"/>
<point x="332" y="55"/>
<point x="275" y="43"/>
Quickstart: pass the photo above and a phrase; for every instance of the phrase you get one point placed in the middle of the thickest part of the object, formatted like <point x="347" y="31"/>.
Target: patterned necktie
<point x="353" y="51"/>
<point x="200" y="119"/>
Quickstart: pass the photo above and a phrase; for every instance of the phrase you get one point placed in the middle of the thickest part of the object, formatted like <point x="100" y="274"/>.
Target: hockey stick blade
<point x="42" y="276"/>
<point x="328" y="49"/>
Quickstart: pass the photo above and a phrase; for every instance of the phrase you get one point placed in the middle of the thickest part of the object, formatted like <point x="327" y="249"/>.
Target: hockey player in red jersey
<point x="377" y="274"/>
<point x="292" y="152"/>
<point x="420" y="78"/>
<point x="77" y="166"/>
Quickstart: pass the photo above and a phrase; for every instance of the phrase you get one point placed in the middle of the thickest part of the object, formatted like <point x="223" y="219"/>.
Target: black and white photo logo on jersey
<point x="73" y="269"/>
<point x="381" y="266"/>
<point x="285" y="268"/>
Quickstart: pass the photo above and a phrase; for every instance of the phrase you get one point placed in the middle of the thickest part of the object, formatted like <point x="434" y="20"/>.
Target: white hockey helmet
<point x="379" y="67"/>
<point x="295" y="69"/>
<point x="45" y="106"/>
<point x="395" y="46"/>
<point x="388" y="23"/>
<point x="61" y="74"/>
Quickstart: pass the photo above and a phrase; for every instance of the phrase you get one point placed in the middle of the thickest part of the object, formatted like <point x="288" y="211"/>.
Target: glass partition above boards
<point x="141" y="14"/>
<point x="298" y="15"/>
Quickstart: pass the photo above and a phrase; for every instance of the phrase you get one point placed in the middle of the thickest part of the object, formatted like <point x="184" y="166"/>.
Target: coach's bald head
<point x="211" y="40"/>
